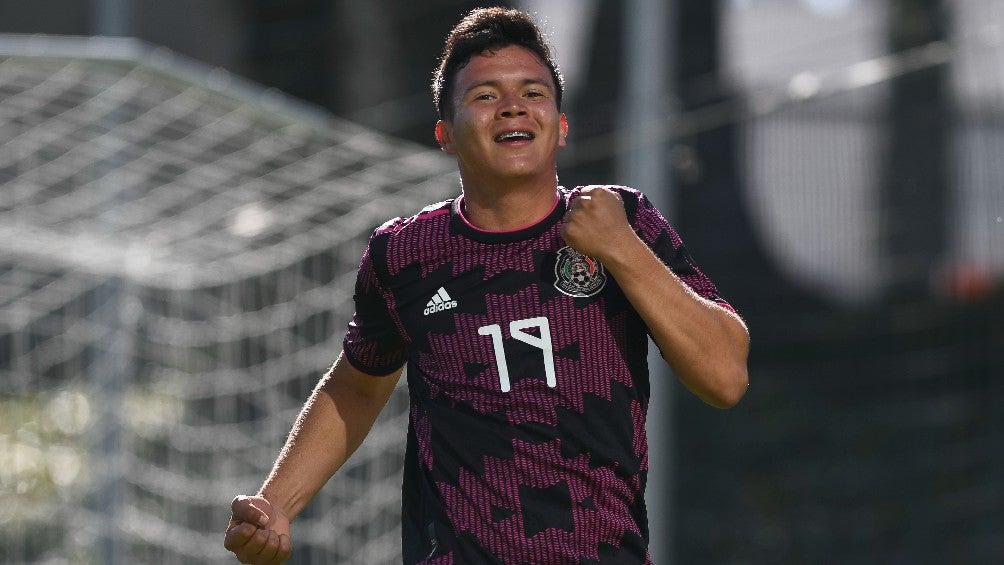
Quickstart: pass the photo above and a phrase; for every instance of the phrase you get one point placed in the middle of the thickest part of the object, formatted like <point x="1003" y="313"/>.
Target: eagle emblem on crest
<point x="577" y="275"/>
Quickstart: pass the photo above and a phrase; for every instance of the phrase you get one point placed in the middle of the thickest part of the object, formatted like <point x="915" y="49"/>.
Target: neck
<point x="509" y="208"/>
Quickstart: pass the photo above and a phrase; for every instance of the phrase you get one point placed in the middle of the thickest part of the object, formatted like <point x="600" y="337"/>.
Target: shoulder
<point x="394" y="243"/>
<point x="433" y="213"/>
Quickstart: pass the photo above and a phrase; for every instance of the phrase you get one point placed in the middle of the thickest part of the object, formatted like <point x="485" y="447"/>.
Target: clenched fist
<point x="258" y="533"/>
<point x="596" y="224"/>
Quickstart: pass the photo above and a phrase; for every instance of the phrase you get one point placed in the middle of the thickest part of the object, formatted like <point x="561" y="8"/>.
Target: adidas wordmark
<point x="440" y="301"/>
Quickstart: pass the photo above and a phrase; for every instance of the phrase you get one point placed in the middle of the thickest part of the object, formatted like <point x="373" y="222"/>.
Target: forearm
<point x="332" y="425"/>
<point x="706" y="344"/>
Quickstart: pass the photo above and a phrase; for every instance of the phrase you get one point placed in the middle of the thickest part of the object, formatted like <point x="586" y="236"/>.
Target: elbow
<point x="735" y="378"/>
<point x="730" y="390"/>
<point x="732" y="374"/>
<point x="733" y="392"/>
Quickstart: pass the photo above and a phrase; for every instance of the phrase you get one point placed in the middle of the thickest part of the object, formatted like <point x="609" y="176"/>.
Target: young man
<point x="522" y="311"/>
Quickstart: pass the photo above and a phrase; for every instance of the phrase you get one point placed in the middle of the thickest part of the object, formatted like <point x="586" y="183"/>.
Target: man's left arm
<point x="706" y="344"/>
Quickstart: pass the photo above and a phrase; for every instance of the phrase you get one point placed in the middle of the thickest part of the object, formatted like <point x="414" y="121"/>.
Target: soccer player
<point x="521" y="309"/>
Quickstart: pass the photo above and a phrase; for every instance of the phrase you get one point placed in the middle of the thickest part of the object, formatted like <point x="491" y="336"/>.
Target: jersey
<point x="528" y="382"/>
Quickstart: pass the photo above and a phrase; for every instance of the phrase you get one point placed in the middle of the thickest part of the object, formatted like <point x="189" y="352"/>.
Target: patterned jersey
<point x="528" y="381"/>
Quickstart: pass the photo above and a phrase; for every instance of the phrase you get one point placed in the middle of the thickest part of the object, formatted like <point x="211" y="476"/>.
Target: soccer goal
<point x="176" y="271"/>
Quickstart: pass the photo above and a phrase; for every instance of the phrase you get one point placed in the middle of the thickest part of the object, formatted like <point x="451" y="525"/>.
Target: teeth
<point x="514" y="135"/>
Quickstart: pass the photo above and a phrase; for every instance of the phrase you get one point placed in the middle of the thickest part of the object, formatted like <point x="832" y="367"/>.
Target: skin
<point x="510" y="184"/>
<point x="507" y="185"/>
<point x="333" y="423"/>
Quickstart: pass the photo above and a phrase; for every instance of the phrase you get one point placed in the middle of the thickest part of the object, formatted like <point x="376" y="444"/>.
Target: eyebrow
<point x="497" y="84"/>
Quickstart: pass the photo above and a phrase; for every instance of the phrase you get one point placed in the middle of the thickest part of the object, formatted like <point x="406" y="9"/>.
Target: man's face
<point x="505" y="124"/>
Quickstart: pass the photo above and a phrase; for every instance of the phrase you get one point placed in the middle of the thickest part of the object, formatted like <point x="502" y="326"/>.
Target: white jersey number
<point x="543" y="342"/>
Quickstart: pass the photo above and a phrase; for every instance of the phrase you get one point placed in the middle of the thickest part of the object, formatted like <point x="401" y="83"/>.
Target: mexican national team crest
<point x="578" y="275"/>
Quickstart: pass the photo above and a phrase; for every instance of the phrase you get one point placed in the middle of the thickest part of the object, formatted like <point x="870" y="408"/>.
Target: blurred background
<point x="186" y="188"/>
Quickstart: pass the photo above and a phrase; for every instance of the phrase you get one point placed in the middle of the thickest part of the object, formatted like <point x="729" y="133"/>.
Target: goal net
<point x="176" y="270"/>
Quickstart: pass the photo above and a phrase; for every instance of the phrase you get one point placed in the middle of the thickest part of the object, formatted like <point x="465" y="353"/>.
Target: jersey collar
<point x="459" y="223"/>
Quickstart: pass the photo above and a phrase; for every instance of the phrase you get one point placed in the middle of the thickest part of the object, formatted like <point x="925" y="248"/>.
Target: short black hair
<point x="488" y="29"/>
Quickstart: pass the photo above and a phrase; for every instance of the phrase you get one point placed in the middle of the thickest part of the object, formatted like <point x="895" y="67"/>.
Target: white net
<point x="176" y="268"/>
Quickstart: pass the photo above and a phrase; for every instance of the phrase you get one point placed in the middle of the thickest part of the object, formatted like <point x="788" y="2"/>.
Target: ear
<point x="562" y="131"/>
<point x="444" y="137"/>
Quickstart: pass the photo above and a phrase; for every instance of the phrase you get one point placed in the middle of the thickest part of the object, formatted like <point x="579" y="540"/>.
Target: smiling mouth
<point x="514" y="136"/>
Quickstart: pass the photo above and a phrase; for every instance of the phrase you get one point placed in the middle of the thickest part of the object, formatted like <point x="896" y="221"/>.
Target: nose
<point x="511" y="106"/>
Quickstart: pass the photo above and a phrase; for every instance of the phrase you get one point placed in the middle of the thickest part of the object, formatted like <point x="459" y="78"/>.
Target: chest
<point x="494" y="327"/>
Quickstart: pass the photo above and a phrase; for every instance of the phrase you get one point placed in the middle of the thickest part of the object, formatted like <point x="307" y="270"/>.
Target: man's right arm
<point x="331" y="426"/>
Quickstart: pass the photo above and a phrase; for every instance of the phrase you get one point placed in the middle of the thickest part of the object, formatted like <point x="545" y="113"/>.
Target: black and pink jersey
<point x="528" y="378"/>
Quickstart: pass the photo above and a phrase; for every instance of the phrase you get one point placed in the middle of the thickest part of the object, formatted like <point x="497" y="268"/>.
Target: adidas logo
<point x="440" y="301"/>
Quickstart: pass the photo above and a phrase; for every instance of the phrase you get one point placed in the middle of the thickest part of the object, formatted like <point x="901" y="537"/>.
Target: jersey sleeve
<point x="373" y="343"/>
<point x="657" y="232"/>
